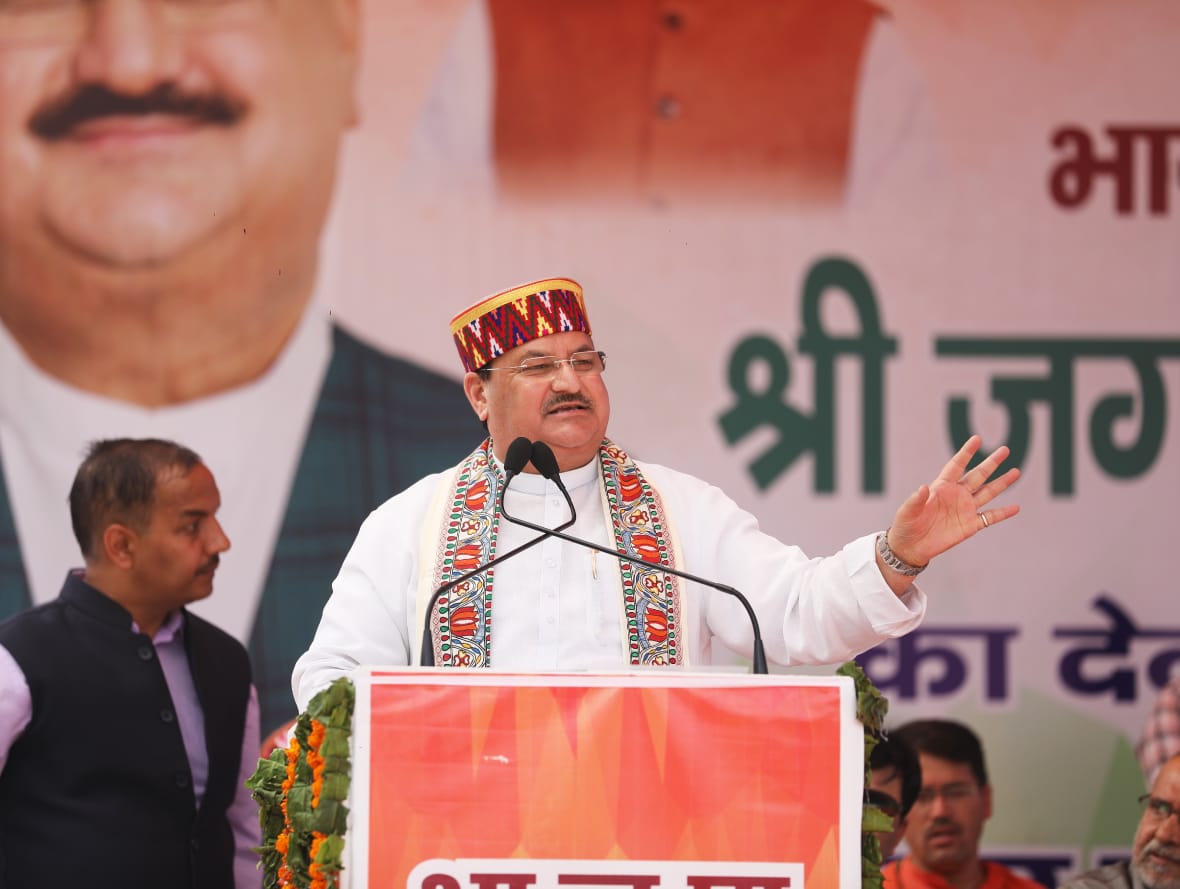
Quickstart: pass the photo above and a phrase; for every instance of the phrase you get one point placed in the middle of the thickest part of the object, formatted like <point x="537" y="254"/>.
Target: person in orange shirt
<point x="946" y="822"/>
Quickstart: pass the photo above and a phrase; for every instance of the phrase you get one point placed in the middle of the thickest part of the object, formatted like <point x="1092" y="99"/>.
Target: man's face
<point x="133" y="132"/>
<point x="1155" y="855"/>
<point x="176" y="555"/>
<point x="945" y="824"/>
<point x="888" y="782"/>
<point x="568" y="411"/>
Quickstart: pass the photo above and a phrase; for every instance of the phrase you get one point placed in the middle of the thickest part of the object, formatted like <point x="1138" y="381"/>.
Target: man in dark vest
<point x="127" y="724"/>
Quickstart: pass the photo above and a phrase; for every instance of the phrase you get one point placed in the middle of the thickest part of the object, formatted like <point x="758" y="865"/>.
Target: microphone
<point x="515" y="459"/>
<point x="546" y="463"/>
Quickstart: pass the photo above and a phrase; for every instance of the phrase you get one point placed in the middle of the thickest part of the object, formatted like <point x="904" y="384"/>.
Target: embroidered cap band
<point x="506" y="320"/>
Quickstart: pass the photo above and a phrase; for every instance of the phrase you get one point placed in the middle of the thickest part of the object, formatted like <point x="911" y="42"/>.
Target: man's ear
<point x="475" y="387"/>
<point x="118" y="545"/>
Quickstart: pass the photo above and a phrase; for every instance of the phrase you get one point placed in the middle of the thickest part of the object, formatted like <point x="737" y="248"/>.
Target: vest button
<point x="167" y="715"/>
<point x="146" y="653"/>
<point x="182" y="779"/>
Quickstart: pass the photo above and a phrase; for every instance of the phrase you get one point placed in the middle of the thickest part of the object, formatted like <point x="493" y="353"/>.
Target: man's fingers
<point x="977" y="477"/>
<point x="989" y="491"/>
<point x="957" y="465"/>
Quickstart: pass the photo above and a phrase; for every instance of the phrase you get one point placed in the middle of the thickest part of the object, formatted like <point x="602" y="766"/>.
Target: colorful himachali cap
<point x="509" y="319"/>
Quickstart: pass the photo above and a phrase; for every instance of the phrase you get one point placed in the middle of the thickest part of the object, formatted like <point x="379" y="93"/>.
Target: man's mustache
<point x="559" y="400"/>
<point x="59" y="118"/>
<point x="210" y="565"/>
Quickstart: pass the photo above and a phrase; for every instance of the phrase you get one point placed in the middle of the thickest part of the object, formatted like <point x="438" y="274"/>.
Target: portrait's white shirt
<point x="250" y="437"/>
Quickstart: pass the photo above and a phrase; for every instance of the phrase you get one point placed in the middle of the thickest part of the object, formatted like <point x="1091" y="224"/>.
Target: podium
<point x="650" y="780"/>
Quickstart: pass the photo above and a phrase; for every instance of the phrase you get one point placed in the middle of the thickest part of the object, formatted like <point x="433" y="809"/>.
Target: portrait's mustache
<point x="58" y="119"/>
<point x="210" y="565"/>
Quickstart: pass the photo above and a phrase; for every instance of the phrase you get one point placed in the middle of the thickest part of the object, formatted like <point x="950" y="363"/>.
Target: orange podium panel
<point x="651" y="780"/>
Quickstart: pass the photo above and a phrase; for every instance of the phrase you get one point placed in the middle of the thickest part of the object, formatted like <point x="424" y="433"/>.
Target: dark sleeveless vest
<point x="97" y="791"/>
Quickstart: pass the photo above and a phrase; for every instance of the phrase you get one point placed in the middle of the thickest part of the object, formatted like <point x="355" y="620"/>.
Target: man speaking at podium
<point x="534" y="372"/>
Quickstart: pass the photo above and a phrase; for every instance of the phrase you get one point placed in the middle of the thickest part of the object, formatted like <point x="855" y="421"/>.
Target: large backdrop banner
<point x="822" y="242"/>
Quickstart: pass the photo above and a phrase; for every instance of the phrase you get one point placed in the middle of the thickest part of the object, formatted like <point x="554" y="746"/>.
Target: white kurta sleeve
<point x="810" y="610"/>
<point x="368" y="617"/>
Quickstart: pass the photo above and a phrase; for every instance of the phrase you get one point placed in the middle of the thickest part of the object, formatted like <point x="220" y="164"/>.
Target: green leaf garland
<point x="300" y="791"/>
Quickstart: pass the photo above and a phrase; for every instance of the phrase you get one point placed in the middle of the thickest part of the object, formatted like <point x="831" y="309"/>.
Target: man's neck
<point x="148" y="617"/>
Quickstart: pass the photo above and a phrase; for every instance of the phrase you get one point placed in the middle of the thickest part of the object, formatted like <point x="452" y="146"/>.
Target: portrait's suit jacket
<point x="380" y="424"/>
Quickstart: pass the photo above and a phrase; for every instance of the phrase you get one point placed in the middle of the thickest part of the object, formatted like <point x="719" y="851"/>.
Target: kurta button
<point x="668" y="107"/>
<point x="167" y="715"/>
<point x="195" y="844"/>
<point x="146" y="652"/>
<point x="182" y="780"/>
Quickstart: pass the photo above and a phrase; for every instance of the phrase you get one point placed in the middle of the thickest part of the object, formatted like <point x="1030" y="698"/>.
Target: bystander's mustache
<point x="941" y="824"/>
<point x="59" y="118"/>
<point x="210" y="565"/>
<point x="1169" y="851"/>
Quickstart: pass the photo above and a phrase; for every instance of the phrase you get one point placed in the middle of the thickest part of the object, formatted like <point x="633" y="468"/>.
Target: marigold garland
<point x="871" y="707"/>
<point x="301" y="790"/>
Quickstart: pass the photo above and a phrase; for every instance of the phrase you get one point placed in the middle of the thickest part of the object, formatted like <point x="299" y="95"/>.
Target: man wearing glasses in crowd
<point x="1155" y="853"/>
<point x="895" y="780"/>
<point x="946" y="822"/>
<point x="533" y="371"/>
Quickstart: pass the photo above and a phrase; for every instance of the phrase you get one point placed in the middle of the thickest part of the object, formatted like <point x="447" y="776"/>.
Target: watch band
<point x="889" y="557"/>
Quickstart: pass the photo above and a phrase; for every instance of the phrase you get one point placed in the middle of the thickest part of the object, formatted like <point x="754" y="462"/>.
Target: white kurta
<point x="558" y="606"/>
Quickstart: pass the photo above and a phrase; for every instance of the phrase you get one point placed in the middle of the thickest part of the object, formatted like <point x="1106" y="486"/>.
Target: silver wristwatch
<point x="889" y="557"/>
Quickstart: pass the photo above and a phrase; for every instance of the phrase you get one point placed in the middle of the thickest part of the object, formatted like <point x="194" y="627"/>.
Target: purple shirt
<point x="16" y="711"/>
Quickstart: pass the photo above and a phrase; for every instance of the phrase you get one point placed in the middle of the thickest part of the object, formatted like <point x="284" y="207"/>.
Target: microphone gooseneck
<point x="545" y="462"/>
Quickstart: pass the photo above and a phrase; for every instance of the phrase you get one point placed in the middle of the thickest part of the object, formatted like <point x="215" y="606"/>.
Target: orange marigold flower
<point x="315" y="738"/>
<point x="292" y="762"/>
<point x="315" y="870"/>
<point x="317" y="764"/>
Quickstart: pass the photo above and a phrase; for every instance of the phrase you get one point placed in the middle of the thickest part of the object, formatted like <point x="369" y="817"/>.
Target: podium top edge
<point x="654" y="677"/>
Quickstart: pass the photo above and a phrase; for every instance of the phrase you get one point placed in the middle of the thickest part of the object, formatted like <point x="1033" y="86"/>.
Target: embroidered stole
<point x="461" y="624"/>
